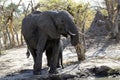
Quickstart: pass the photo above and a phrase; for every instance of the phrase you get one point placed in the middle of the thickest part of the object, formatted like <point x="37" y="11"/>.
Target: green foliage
<point x="111" y="4"/>
<point x="104" y="12"/>
<point x="13" y="6"/>
<point x="78" y="10"/>
<point x="81" y="12"/>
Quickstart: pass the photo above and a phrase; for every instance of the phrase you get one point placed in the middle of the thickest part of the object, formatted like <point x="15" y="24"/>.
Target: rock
<point x="102" y="71"/>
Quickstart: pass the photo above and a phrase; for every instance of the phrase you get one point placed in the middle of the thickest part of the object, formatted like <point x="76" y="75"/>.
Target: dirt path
<point x="101" y="52"/>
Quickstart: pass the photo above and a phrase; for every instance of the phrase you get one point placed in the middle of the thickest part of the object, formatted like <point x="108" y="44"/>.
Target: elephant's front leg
<point x="39" y="53"/>
<point x="54" y="58"/>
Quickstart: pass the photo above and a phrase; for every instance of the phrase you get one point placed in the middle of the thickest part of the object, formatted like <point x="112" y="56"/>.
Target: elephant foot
<point x="37" y="70"/>
<point x="53" y="71"/>
<point x="35" y="73"/>
<point x="58" y="66"/>
<point x="48" y="64"/>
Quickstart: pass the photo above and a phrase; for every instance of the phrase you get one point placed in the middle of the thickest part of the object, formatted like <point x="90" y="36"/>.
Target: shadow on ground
<point x="71" y="71"/>
<point x="27" y="74"/>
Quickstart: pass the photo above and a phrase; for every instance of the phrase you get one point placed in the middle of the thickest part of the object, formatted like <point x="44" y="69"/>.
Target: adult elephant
<point x="40" y="29"/>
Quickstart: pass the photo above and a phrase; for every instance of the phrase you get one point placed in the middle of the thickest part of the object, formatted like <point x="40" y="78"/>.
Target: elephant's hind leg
<point x="49" y="55"/>
<point x="33" y="53"/>
<point x="39" y="52"/>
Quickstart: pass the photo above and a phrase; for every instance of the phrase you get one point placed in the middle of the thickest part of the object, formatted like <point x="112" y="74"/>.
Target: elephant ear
<point x="47" y="25"/>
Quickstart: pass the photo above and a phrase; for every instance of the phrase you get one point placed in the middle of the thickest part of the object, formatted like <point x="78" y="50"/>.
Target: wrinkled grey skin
<point x="41" y="29"/>
<point x="49" y="54"/>
<point x="63" y="44"/>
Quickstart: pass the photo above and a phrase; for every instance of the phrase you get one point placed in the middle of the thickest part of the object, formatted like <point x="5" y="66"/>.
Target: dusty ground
<point x="102" y="59"/>
<point x="14" y="62"/>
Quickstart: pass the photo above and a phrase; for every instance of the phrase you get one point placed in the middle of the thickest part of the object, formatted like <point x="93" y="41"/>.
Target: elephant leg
<point x="60" y="57"/>
<point x="60" y="60"/>
<point x="54" y="58"/>
<point x="39" y="52"/>
<point x="33" y="52"/>
<point x="48" y="54"/>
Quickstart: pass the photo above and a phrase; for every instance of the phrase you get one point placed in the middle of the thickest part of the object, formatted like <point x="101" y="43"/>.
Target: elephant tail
<point x="28" y="53"/>
<point x="62" y="61"/>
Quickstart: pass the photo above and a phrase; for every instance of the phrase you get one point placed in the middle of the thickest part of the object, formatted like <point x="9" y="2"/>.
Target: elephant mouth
<point x="65" y="35"/>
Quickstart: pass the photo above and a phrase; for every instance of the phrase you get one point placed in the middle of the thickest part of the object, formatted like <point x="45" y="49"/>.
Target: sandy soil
<point x="14" y="61"/>
<point x="101" y="51"/>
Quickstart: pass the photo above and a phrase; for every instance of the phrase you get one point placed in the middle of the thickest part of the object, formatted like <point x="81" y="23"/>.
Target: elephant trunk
<point x="74" y="40"/>
<point x="74" y="35"/>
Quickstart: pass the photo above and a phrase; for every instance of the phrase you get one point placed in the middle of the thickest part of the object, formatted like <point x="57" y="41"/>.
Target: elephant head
<point x="57" y="23"/>
<point x="66" y="26"/>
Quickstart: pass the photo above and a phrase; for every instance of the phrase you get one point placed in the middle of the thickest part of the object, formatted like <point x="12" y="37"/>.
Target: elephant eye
<point x="62" y="21"/>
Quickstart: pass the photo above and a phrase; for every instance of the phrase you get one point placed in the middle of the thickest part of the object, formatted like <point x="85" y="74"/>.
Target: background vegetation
<point x="11" y="15"/>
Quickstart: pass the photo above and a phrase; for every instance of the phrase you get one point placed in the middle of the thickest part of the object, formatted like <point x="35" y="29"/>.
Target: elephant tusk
<point x="81" y="33"/>
<point x="72" y="34"/>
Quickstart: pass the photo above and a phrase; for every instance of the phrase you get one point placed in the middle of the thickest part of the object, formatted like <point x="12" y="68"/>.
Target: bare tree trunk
<point x="5" y="39"/>
<point x="116" y="22"/>
<point x="111" y="15"/>
<point x="0" y="47"/>
<point x="83" y="37"/>
<point x="21" y="38"/>
<point x="109" y="8"/>
<point x="17" y="39"/>
<point x="81" y="47"/>
<point x="0" y="43"/>
<point x="9" y="38"/>
<point x="11" y="31"/>
<point x="80" y="52"/>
